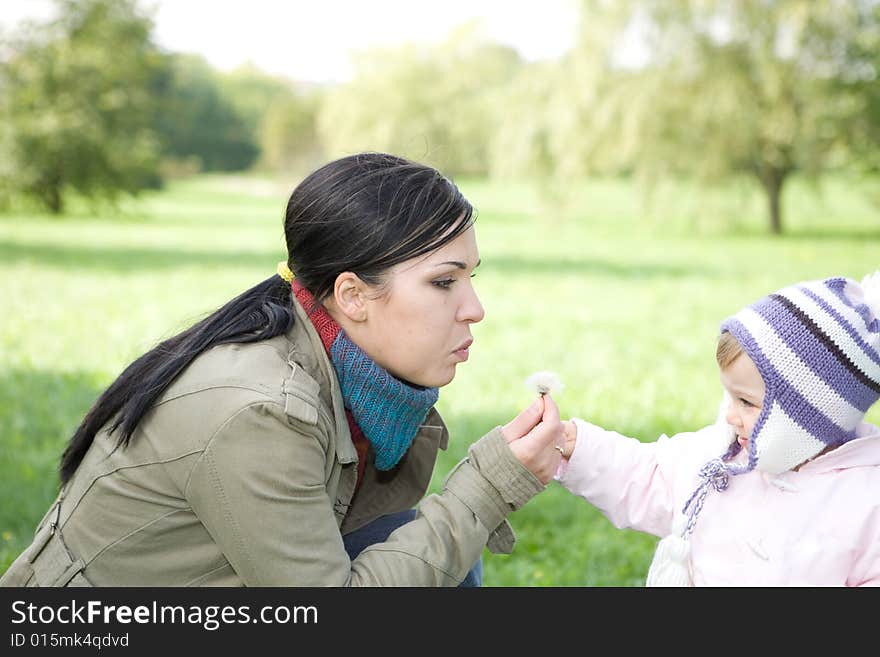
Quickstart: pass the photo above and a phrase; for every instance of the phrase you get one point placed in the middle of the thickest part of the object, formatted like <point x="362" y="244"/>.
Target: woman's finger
<point x="551" y="410"/>
<point x="539" y="450"/>
<point x="549" y="432"/>
<point x="525" y="421"/>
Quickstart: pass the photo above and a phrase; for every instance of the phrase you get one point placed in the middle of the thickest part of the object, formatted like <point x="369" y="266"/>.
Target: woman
<point x="281" y="440"/>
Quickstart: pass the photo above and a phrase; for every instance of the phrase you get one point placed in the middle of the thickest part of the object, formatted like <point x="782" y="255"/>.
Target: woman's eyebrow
<point x="457" y="263"/>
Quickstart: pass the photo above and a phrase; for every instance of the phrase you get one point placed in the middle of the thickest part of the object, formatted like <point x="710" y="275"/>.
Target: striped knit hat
<point x="817" y="348"/>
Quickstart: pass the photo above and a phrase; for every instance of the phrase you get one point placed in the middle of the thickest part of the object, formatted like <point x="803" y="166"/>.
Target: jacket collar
<point x="307" y="350"/>
<point x="863" y="451"/>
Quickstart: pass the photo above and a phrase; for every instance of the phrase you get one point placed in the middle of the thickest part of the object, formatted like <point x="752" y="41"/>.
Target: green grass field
<point x="623" y="301"/>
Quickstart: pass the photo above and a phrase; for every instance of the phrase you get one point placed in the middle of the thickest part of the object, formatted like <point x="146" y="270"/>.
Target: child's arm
<point x="636" y="485"/>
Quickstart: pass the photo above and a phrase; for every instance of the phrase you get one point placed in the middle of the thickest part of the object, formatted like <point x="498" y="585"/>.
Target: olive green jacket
<point x="243" y="473"/>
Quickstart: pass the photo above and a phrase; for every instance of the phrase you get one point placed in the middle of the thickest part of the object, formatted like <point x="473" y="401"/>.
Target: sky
<point x="314" y="41"/>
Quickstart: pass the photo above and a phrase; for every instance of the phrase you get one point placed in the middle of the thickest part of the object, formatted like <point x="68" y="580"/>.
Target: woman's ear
<point x="350" y="296"/>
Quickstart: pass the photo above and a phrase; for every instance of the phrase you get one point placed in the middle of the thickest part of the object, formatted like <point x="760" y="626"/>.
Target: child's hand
<point x="571" y="434"/>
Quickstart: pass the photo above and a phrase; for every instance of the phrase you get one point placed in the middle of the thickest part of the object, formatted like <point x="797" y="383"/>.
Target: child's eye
<point x="746" y="402"/>
<point x="445" y="284"/>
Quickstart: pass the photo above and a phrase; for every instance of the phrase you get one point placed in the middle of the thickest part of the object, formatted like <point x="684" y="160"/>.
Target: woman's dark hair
<point x="364" y="213"/>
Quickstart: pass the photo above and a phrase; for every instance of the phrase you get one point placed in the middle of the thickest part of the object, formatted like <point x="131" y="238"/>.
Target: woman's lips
<point x="463" y="351"/>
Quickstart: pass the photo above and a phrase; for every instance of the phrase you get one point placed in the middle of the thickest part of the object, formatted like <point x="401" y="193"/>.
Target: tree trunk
<point x="772" y="180"/>
<point x="54" y="200"/>
<point x="51" y="195"/>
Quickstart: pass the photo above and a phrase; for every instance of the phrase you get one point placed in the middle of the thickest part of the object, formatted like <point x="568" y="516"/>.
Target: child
<point x="784" y="489"/>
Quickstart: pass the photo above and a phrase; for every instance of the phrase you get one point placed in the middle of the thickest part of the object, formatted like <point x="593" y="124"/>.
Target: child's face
<point x="744" y="384"/>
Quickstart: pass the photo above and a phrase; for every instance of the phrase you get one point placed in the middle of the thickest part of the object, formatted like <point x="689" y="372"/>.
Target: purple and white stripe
<point x="846" y="318"/>
<point x="850" y="295"/>
<point x="786" y="365"/>
<point x="776" y="456"/>
<point x="819" y="352"/>
<point x="848" y="338"/>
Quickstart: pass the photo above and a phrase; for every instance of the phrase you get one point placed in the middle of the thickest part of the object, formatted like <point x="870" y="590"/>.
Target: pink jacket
<point x="819" y="526"/>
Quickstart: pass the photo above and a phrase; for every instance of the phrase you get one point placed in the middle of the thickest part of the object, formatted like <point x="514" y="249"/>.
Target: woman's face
<point x="418" y="325"/>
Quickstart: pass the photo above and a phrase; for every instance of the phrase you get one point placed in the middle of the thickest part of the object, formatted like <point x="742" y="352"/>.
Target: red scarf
<point x="328" y="329"/>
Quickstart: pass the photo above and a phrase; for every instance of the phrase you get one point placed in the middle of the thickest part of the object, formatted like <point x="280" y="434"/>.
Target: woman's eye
<point x="446" y="283"/>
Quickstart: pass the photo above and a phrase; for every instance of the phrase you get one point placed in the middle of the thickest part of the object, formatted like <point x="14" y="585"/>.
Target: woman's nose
<point x="471" y="310"/>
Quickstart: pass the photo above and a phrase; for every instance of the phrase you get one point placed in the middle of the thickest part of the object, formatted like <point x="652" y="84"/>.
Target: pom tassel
<point x="671" y="564"/>
<point x="871" y="290"/>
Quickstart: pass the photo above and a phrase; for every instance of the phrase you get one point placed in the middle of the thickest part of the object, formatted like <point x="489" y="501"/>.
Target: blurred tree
<point x="437" y="103"/>
<point x="288" y="133"/>
<point x="521" y="141"/>
<point x="866" y="47"/>
<point x="280" y="115"/>
<point x="726" y="88"/>
<point x="251" y="91"/>
<point x="77" y="97"/>
<point x="196" y="119"/>
<point x="555" y="121"/>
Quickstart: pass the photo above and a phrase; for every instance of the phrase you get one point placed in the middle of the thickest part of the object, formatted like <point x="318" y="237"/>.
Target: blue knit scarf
<point x="386" y="410"/>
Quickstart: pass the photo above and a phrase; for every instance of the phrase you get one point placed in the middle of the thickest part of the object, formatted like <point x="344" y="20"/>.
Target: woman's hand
<point x="536" y="437"/>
